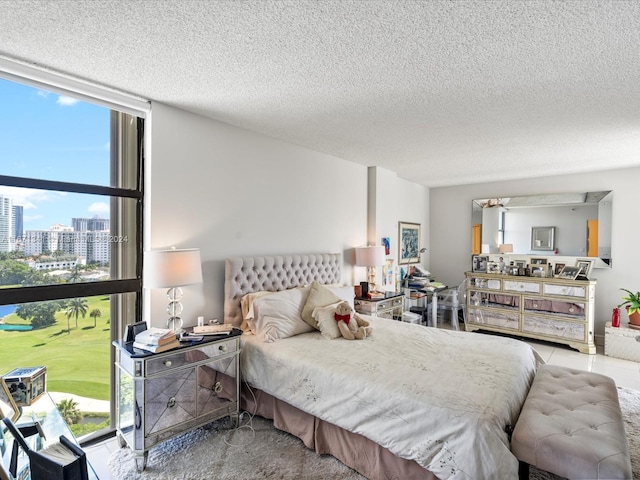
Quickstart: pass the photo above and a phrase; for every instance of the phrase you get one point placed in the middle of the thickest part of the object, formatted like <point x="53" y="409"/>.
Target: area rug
<point x="217" y="452"/>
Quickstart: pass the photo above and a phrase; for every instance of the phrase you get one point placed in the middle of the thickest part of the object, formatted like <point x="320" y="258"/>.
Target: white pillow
<point x="278" y="315"/>
<point x="326" y="321"/>
<point x="246" y="306"/>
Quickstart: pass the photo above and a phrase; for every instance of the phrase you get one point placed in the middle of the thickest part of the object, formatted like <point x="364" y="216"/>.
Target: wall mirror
<point x="562" y="224"/>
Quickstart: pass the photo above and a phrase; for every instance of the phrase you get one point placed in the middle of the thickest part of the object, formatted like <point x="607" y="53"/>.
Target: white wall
<point x="398" y="200"/>
<point x="450" y="233"/>
<point x="231" y="192"/>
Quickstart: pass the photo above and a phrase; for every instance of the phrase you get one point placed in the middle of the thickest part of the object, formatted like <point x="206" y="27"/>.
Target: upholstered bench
<point x="571" y="425"/>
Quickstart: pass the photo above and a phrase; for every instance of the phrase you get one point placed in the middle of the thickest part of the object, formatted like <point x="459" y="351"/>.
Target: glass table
<point x="42" y="416"/>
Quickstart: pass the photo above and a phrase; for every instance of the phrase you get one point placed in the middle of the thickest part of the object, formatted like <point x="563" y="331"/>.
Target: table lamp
<point x="506" y="248"/>
<point x="173" y="269"/>
<point x="370" y="257"/>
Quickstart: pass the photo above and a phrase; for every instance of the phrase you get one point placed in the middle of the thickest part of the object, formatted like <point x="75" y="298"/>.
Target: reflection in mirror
<point x="580" y="223"/>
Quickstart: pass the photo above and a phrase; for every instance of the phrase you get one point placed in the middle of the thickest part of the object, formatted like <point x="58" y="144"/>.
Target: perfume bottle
<point x="615" y="318"/>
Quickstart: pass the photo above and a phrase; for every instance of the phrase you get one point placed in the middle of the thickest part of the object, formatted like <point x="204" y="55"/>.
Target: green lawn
<point x="77" y="362"/>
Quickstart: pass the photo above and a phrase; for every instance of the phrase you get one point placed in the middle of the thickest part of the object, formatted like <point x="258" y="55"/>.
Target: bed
<point x="407" y="402"/>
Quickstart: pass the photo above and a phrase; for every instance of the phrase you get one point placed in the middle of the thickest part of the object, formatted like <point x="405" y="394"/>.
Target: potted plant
<point x="632" y="303"/>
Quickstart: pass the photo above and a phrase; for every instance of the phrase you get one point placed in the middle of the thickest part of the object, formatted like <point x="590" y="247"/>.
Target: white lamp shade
<point x="172" y="268"/>
<point x="369" y="256"/>
<point x="506" y="248"/>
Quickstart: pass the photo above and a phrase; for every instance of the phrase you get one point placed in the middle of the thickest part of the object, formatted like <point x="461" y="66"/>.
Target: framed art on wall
<point x="408" y="243"/>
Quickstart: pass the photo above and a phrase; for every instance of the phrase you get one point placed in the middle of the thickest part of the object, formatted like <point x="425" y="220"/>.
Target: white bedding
<point x="439" y="397"/>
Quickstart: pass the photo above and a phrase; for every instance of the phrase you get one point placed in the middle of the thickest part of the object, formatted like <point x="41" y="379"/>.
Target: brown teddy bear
<point x="351" y="325"/>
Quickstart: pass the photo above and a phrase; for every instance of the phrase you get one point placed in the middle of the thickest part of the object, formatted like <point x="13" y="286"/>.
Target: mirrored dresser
<point x="551" y="309"/>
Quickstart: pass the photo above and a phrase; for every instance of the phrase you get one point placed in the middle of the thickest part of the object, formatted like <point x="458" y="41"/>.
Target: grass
<point x="77" y="361"/>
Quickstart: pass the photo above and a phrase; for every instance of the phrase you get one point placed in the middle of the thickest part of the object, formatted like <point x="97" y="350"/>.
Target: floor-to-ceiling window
<point x="71" y="196"/>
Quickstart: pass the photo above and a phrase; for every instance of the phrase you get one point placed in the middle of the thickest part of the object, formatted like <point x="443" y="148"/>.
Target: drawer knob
<point x="223" y="348"/>
<point x="167" y="363"/>
<point x="217" y="387"/>
<point x="171" y="403"/>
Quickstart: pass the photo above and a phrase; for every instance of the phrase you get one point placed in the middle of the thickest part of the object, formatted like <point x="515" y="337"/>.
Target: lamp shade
<point x="506" y="248"/>
<point x="369" y="256"/>
<point x="172" y="268"/>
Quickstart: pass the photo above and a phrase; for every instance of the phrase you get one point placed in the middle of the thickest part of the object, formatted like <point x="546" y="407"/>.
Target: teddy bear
<point x="351" y="325"/>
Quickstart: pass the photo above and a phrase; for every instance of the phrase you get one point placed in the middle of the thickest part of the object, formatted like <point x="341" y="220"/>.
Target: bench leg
<point x="523" y="471"/>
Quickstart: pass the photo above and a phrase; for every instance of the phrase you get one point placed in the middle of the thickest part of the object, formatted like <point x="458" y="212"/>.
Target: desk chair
<point x="454" y="300"/>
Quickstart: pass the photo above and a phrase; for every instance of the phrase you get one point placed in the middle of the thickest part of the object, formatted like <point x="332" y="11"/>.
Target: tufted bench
<point x="571" y="425"/>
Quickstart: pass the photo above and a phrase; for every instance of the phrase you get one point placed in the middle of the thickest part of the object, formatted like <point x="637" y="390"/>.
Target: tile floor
<point x="624" y="372"/>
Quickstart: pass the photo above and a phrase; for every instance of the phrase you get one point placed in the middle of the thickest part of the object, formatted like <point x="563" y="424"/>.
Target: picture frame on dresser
<point x="493" y="267"/>
<point x="479" y="263"/>
<point x="557" y="268"/>
<point x="586" y="266"/>
<point x="538" y="261"/>
<point x="569" y="273"/>
<point x="8" y="407"/>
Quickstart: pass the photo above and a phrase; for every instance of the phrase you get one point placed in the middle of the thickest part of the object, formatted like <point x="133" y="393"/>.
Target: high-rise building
<point x="18" y="221"/>
<point x="6" y="224"/>
<point x="95" y="224"/>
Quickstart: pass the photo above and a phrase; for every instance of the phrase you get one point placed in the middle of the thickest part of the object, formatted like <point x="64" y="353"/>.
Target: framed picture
<point x="493" y="267"/>
<point x="520" y="263"/>
<point x="538" y="270"/>
<point x="569" y="273"/>
<point x="479" y="263"/>
<point x="8" y="407"/>
<point x="557" y="268"/>
<point x="408" y="243"/>
<point x="586" y="266"/>
<point x="538" y="261"/>
<point x="542" y="238"/>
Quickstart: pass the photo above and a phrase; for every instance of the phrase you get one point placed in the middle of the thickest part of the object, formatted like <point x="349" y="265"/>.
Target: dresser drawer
<point x="485" y="283"/>
<point x="520" y="286"/>
<point x="551" y="306"/>
<point x="553" y="327"/>
<point x="495" y="318"/>
<point x="564" y="290"/>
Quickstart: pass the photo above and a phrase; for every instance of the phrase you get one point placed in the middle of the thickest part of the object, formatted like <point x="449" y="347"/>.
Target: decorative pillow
<point x="326" y="321"/>
<point x="319" y="296"/>
<point x="277" y="316"/>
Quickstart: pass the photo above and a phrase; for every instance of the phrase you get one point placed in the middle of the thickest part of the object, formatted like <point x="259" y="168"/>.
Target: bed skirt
<point x="357" y="452"/>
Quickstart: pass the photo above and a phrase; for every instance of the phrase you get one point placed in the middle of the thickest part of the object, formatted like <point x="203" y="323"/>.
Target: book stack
<point x="59" y="461"/>
<point x="156" y="340"/>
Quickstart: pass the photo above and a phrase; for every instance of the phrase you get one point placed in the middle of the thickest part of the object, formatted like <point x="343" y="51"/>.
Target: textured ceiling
<point x="441" y="92"/>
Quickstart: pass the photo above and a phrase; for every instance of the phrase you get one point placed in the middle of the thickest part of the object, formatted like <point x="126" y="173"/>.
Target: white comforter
<point x="439" y="397"/>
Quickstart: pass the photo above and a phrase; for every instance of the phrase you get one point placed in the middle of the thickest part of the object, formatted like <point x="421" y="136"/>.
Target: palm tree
<point x="68" y="408"/>
<point x="95" y="313"/>
<point x="75" y="308"/>
<point x="75" y="276"/>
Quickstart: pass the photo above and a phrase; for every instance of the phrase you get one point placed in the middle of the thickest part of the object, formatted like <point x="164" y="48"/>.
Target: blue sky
<point x="52" y="137"/>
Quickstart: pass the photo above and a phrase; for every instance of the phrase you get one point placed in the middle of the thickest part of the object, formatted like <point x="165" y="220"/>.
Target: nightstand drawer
<point x="181" y="358"/>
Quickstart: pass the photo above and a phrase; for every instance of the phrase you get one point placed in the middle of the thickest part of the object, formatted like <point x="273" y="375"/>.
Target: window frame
<point x="127" y="166"/>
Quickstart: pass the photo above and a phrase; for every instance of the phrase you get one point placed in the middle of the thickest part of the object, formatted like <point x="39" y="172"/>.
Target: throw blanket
<point x="439" y="397"/>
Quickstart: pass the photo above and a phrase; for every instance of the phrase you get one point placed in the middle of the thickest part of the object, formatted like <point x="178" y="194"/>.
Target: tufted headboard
<point x="254" y="274"/>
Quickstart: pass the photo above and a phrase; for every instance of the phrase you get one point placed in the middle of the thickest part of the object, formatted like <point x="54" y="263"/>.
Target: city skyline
<point x="49" y="136"/>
